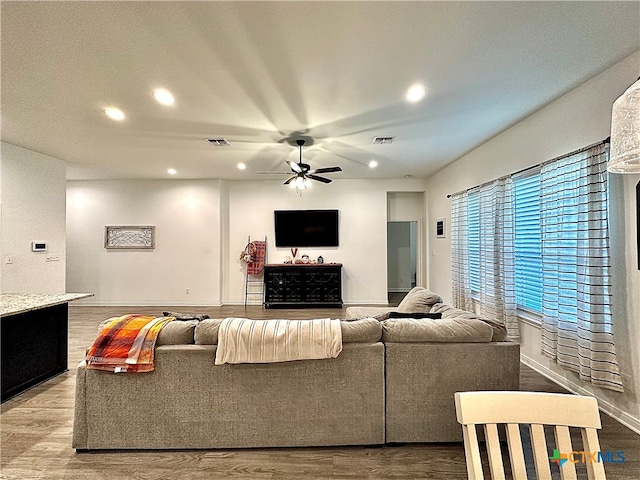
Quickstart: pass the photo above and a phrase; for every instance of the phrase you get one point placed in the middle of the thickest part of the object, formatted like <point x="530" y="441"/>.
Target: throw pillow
<point x="419" y="299"/>
<point x="186" y="316"/>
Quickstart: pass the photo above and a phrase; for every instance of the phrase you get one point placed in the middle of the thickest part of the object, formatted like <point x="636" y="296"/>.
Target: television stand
<point x="303" y="285"/>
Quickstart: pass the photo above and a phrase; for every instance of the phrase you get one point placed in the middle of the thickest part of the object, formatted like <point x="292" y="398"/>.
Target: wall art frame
<point x="129" y="237"/>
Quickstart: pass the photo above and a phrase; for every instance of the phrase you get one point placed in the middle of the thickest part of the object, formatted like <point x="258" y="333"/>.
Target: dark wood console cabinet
<point x="303" y="285"/>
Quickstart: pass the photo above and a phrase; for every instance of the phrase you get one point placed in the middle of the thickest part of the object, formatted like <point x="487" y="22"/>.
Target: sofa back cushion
<point x="449" y="312"/>
<point x="367" y="330"/>
<point x="411" y="330"/>
<point x="418" y="300"/>
<point x="177" y="333"/>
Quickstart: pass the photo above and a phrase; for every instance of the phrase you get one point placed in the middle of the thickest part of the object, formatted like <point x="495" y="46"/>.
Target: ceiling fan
<point x="303" y="174"/>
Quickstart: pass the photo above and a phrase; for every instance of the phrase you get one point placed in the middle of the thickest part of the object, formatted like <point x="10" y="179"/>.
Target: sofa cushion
<point x="177" y="333"/>
<point x="207" y="331"/>
<point x="431" y="315"/>
<point x="358" y="313"/>
<point x="449" y="312"/>
<point x="365" y="330"/>
<point x="409" y="330"/>
<point x="419" y="299"/>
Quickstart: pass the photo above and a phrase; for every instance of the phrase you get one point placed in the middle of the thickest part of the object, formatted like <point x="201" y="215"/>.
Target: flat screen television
<point x="306" y="228"/>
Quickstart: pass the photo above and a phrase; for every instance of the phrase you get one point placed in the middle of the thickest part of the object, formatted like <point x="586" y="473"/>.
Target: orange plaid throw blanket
<point x="126" y="344"/>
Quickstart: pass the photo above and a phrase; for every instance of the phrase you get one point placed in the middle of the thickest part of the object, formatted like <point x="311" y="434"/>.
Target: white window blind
<point x="528" y="257"/>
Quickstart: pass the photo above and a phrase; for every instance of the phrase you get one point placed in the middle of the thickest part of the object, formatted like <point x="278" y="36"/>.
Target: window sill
<point x="530" y="318"/>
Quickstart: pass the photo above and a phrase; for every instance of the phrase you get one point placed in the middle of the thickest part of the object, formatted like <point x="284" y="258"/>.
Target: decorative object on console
<point x="129" y="237"/>
<point x="320" y="259"/>
<point x="305" y="258"/>
<point x="625" y="132"/>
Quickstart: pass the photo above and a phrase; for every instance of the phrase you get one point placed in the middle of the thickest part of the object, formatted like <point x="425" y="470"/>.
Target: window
<point x="528" y="242"/>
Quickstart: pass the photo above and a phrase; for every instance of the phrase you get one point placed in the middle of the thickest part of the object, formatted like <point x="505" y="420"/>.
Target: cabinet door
<point x="332" y="285"/>
<point x="293" y="286"/>
<point x="275" y="283"/>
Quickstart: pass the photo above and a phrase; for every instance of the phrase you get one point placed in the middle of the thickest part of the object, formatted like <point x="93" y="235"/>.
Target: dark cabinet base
<point x="303" y="286"/>
<point x="34" y="348"/>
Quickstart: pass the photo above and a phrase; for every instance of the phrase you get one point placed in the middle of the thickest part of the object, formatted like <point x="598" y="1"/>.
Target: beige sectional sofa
<point x="393" y="382"/>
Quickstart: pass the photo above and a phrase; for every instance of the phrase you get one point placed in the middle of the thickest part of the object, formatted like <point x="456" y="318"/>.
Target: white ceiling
<point x="257" y="72"/>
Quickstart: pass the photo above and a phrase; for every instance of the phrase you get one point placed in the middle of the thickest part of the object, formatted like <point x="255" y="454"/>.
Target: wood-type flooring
<point x="36" y="431"/>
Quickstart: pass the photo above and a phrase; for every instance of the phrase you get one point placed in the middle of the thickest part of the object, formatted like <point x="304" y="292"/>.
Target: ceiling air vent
<point x="218" y="142"/>
<point x="382" y="140"/>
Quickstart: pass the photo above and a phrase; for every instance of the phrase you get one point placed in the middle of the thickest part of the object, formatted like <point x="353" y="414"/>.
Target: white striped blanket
<point x="241" y="340"/>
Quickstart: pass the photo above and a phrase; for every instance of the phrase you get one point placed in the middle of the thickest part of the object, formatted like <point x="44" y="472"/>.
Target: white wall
<point x="33" y="209"/>
<point x="579" y="118"/>
<point x="201" y="228"/>
<point x="363" y="230"/>
<point x="186" y="214"/>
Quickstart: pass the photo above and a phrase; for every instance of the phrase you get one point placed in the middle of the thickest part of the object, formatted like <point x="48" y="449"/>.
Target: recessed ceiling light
<point x="415" y="93"/>
<point x="242" y="166"/>
<point x="163" y="96"/>
<point x="373" y="164"/>
<point x="172" y="171"/>
<point x="114" y="113"/>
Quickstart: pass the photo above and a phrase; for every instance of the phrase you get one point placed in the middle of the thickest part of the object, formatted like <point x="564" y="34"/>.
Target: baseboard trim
<point x="80" y="303"/>
<point x="607" y="407"/>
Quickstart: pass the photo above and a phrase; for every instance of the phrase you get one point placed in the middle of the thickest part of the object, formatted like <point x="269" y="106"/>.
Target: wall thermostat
<point x="39" y="246"/>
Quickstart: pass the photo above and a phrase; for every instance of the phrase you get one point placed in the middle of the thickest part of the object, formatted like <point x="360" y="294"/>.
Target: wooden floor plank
<point x="36" y="431"/>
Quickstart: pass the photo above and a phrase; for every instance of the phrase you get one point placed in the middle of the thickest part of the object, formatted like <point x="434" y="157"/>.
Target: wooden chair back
<point x="536" y="410"/>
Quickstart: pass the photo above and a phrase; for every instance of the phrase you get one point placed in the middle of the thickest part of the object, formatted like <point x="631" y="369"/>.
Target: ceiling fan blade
<point x="326" y="170"/>
<point x="290" y="180"/>
<point x="320" y="179"/>
<point x="273" y="173"/>
<point x="294" y="167"/>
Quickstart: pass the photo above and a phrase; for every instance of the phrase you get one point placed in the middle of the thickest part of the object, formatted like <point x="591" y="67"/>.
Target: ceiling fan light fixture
<point x="625" y="132"/>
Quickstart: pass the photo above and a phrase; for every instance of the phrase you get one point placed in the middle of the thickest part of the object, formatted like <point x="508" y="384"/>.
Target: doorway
<point x="402" y="259"/>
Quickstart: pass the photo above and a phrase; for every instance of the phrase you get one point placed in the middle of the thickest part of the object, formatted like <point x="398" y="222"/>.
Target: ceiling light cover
<point x="241" y="166"/>
<point x="373" y="164"/>
<point x="416" y="93"/>
<point x="163" y="96"/>
<point x="625" y="132"/>
<point x="172" y="171"/>
<point x="114" y="113"/>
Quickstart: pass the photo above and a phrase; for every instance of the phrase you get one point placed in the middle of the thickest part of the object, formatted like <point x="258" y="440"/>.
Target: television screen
<point x="306" y="228"/>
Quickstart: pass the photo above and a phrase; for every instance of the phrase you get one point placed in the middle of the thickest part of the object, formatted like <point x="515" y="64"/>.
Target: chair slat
<point x="494" y="451"/>
<point x="472" y="453"/>
<point x="516" y="454"/>
<point x="563" y="444"/>
<point x="595" y="471"/>
<point x="540" y="455"/>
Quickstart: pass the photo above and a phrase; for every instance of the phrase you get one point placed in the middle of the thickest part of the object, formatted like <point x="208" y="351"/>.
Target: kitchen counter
<point x="14" y="303"/>
<point x="34" y="338"/>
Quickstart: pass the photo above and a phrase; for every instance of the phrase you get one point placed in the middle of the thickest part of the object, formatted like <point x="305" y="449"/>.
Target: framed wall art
<point x="129" y="237"/>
